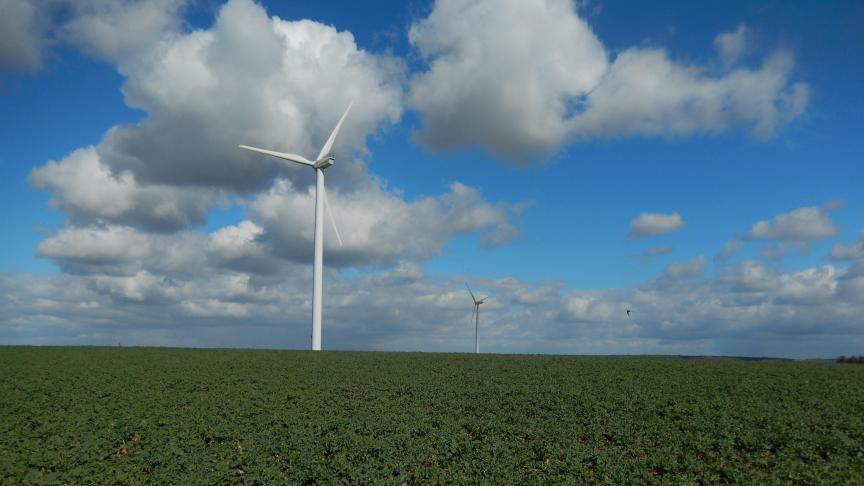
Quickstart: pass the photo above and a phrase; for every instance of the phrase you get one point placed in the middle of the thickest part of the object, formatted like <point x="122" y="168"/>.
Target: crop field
<point x="139" y="415"/>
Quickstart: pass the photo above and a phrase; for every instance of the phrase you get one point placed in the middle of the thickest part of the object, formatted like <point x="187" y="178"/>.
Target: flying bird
<point x="628" y="312"/>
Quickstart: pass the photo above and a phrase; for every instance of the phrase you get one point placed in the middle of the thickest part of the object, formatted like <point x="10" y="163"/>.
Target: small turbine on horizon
<point x="476" y="316"/>
<point x="325" y="159"/>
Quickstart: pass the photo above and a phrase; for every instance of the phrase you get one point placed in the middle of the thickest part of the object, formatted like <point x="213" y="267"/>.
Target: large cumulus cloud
<point x="256" y="80"/>
<point x="114" y="30"/>
<point x="250" y="79"/>
<point x="502" y="75"/>
<point x="523" y="78"/>
<point x="120" y="31"/>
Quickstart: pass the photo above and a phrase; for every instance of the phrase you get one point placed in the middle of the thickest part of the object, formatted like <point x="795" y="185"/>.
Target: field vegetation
<point x="184" y="416"/>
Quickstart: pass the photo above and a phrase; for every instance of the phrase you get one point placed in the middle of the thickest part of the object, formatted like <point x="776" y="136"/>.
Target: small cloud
<point x="850" y="251"/>
<point x="651" y="252"/>
<point x="503" y="234"/>
<point x="834" y="204"/>
<point x="773" y="252"/>
<point x="686" y="269"/>
<point x="653" y="224"/>
<point x="802" y="224"/>
<point x="779" y="251"/>
<point x="731" y="246"/>
<point x="730" y="45"/>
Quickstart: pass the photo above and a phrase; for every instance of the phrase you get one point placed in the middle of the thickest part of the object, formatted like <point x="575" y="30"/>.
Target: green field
<point x="136" y="415"/>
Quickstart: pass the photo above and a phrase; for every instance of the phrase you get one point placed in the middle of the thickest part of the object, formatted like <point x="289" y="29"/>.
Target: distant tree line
<point x="851" y="359"/>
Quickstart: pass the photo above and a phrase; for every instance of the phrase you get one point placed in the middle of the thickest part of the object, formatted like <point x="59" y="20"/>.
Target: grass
<point x="136" y="415"/>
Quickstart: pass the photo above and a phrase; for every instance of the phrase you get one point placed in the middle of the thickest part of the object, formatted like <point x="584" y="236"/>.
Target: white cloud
<point x="96" y="246"/>
<point x="521" y="79"/>
<point x="731" y="45"/>
<point x="85" y="188"/>
<point x="848" y="251"/>
<point x="503" y="234"/>
<point x="120" y="250"/>
<point x="379" y="228"/>
<point x="591" y="307"/>
<point x="834" y="204"/>
<point x="653" y="224"/>
<point x="502" y="74"/>
<point x="802" y="224"/>
<point x="22" y="35"/>
<point x="121" y="31"/>
<point x="258" y="81"/>
<point x="685" y="269"/>
<point x="140" y="288"/>
<point x="812" y="285"/>
<point x="747" y="310"/>
<point x="776" y="251"/>
<point x="133" y="199"/>
<point x="242" y="248"/>
<point x="748" y="276"/>
<point x="780" y="250"/>
<point x="646" y="93"/>
<point x="653" y="251"/>
<point x="851" y="251"/>
<point x="730" y="247"/>
<point x="851" y="283"/>
<point x="249" y="79"/>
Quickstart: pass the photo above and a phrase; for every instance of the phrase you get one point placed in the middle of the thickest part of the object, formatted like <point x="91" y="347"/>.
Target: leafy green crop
<point x="137" y="415"/>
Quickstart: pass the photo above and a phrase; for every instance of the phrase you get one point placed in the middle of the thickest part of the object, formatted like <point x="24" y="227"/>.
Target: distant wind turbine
<point x="476" y="316"/>
<point x="325" y="159"/>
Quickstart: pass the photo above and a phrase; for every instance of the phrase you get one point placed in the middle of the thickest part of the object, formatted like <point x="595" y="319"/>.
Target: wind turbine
<point x="476" y="316"/>
<point x="325" y="159"/>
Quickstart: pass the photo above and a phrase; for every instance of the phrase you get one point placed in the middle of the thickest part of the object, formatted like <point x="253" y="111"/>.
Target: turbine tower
<point x="325" y="159"/>
<point x="476" y="316"/>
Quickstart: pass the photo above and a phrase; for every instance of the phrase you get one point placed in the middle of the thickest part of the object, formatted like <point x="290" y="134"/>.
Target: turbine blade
<point x="330" y="214"/>
<point x="292" y="157"/>
<point x="329" y="144"/>
<point x="472" y="293"/>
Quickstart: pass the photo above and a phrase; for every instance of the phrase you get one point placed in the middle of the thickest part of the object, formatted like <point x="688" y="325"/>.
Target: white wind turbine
<point x="476" y="316"/>
<point x="325" y="159"/>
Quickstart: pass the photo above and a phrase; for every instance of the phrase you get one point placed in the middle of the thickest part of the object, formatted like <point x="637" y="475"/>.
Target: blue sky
<point x="513" y="145"/>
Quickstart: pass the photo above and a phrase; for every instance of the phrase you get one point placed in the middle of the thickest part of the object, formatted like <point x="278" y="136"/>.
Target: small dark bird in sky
<point x="628" y="312"/>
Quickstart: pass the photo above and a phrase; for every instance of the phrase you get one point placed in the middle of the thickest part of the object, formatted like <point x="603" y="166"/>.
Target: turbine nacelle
<point x="325" y="162"/>
<point x="476" y="301"/>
